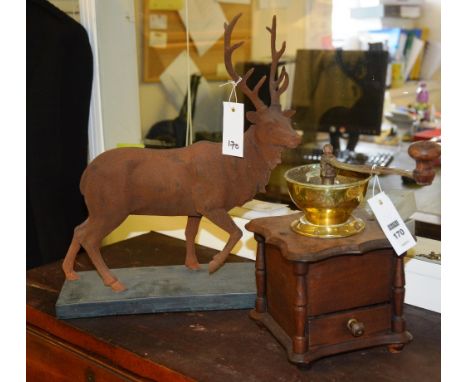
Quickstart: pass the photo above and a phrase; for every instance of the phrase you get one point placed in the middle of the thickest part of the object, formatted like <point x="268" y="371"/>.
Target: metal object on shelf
<point x="431" y="256"/>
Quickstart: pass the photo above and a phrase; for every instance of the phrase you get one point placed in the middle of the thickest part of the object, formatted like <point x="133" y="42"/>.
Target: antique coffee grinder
<point x="328" y="280"/>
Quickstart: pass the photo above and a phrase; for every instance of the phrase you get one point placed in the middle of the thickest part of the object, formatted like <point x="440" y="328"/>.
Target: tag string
<point x="233" y="89"/>
<point x="376" y="180"/>
<point x="189" y="129"/>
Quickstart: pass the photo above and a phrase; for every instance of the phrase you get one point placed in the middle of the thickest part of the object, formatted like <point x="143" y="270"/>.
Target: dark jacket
<point x="59" y="70"/>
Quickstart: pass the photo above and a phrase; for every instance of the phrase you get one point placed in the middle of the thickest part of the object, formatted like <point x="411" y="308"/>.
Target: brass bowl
<point x="327" y="208"/>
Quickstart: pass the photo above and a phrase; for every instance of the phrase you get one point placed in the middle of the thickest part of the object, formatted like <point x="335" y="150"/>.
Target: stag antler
<point x="242" y="84"/>
<point x="275" y="92"/>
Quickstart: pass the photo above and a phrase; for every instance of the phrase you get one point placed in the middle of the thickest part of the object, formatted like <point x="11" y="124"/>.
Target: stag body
<point x="194" y="181"/>
<point x="178" y="182"/>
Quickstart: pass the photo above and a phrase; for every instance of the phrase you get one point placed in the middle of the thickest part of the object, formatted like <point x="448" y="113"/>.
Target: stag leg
<point x="90" y="237"/>
<point x="69" y="260"/>
<point x="222" y="219"/>
<point x="107" y="276"/>
<point x="191" y="230"/>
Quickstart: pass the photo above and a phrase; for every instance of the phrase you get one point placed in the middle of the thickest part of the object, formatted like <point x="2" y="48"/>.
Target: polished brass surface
<point x="327" y="208"/>
<point x="351" y="227"/>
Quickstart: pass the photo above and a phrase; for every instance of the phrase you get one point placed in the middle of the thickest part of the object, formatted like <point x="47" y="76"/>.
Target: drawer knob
<point x="355" y="327"/>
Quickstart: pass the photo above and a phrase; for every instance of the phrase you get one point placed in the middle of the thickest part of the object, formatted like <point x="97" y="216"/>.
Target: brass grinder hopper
<point x="327" y="207"/>
<point x="329" y="192"/>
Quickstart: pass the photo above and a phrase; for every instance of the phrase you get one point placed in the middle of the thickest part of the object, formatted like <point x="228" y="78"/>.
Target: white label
<point x="157" y="39"/>
<point x="158" y="21"/>
<point x="233" y="129"/>
<point x="391" y="223"/>
<point x="410" y="12"/>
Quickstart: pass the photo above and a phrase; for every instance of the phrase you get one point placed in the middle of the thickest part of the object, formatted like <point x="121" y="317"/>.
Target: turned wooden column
<point x="260" y="301"/>
<point x="300" y="342"/>
<point x="398" y="321"/>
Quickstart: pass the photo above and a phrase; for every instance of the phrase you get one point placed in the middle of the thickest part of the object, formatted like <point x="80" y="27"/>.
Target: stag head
<point x="272" y="125"/>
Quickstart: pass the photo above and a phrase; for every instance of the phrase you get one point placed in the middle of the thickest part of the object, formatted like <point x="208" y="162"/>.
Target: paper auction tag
<point x="233" y="129"/>
<point x="391" y="223"/>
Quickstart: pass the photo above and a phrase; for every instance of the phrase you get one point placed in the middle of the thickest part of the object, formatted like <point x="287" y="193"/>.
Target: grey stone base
<point x="159" y="289"/>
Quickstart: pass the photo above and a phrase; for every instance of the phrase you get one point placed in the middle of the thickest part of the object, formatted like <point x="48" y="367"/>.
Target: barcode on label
<point x="393" y="225"/>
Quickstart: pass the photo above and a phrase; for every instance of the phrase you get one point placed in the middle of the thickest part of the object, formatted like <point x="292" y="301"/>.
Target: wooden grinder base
<point x="320" y="297"/>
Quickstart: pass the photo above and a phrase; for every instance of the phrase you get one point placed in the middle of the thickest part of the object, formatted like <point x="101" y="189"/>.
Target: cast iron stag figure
<point x="194" y="181"/>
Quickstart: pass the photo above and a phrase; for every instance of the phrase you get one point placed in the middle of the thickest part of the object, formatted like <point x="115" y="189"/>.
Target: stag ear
<point x="252" y="116"/>
<point x="289" y="113"/>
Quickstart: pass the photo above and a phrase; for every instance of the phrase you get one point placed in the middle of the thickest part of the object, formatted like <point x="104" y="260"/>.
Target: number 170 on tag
<point x="233" y="145"/>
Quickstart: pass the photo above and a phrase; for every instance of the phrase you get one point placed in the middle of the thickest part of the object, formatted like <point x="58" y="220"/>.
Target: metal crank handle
<point x="423" y="152"/>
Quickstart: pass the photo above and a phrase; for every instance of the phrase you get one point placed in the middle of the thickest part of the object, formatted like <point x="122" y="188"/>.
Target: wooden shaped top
<point x="295" y="247"/>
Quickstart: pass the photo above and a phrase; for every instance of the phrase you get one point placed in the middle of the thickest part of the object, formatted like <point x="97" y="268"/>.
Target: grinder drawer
<point x="346" y="326"/>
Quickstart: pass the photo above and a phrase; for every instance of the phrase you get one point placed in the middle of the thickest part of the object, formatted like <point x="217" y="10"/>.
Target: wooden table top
<point x="217" y="345"/>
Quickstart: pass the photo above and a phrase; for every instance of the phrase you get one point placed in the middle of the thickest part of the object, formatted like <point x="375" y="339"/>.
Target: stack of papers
<point x="260" y="209"/>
